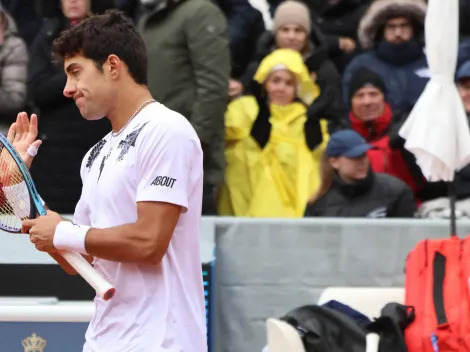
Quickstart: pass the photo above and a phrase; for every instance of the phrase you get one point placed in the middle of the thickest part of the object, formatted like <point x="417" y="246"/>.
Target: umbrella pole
<point x="453" y="220"/>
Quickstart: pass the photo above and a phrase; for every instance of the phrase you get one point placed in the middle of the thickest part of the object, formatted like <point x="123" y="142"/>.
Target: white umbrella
<point x="436" y="130"/>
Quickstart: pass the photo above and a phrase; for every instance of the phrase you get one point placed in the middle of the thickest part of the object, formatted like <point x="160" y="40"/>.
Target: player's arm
<point x="144" y="241"/>
<point x="54" y="254"/>
<point x="60" y="260"/>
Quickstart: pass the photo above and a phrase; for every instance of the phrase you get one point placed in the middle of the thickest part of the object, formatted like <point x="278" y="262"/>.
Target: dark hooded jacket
<point x="13" y="73"/>
<point x="66" y="135"/>
<point x="338" y="20"/>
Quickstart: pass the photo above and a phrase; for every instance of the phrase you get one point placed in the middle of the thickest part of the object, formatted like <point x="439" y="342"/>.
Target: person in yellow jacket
<point x="273" y="148"/>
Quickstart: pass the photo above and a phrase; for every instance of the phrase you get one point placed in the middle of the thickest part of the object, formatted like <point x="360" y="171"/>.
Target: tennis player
<point x="139" y="214"/>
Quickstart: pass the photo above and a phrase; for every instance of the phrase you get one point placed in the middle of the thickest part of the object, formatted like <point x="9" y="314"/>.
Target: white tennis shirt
<point x="157" y="157"/>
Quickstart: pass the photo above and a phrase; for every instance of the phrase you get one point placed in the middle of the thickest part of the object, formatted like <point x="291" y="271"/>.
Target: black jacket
<point x="340" y="20"/>
<point x="377" y="196"/>
<point x="323" y="328"/>
<point x="245" y="26"/>
<point x="66" y="135"/>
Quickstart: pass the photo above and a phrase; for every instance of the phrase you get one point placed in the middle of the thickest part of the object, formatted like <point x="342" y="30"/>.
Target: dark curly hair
<point x="100" y="36"/>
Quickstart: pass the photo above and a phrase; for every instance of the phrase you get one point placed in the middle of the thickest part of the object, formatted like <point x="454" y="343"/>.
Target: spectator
<point x="13" y="71"/>
<point x="349" y="188"/>
<point x="464" y="53"/>
<point x="130" y="7"/>
<point x="53" y="8"/>
<point x="66" y="135"/>
<point x="392" y="32"/>
<point x="273" y="146"/>
<point x="314" y="6"/>
<point x="339" y="21"/>
<point x="372" y="117"/>
<point x="189" y="70"/>
<point x="245" y="26"/>
<point x="24" y="13"/>
<point x="462" y="177"/>
<point x="464" y="25"/>
<point x="292" y="28"/>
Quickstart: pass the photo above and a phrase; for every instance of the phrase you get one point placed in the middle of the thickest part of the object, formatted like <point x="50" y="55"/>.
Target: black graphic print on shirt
<point x="128" y="142"/>
<point x="102" y="166"/>
<point x="94" y="153"/>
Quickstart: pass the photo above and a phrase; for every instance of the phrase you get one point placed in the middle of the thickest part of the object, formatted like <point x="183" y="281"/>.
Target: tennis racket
<point x="19" y="201"/>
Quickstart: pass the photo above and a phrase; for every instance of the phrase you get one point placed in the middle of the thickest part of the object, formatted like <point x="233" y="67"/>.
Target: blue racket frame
<point x="33" y="193"/>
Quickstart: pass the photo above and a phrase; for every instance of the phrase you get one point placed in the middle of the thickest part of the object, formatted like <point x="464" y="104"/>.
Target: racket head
<point x="19" y="199"/>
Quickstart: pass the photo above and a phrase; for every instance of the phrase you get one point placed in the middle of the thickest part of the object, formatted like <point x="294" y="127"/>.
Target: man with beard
<point x="392" y="32"/>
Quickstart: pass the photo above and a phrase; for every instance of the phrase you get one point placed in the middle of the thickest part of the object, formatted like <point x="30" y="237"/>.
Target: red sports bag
<point x="437" y="286"/>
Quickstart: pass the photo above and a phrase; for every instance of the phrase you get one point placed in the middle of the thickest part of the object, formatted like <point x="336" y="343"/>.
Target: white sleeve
<point x="164" y="165"/>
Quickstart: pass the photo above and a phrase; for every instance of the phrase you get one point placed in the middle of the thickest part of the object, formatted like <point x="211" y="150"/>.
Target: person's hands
<point x="235" y="88"/>
<point x="22" y="134"/>
<point x="313" y="76"/>
<point x="347" y="44"/>
<point x="42" y="230"/>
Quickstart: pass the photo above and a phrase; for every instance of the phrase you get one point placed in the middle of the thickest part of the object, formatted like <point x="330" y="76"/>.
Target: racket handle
<point x="102" y="287"/>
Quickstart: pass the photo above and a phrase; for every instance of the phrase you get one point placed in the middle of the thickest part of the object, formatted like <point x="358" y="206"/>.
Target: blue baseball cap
<point x="347" y="143"/>
<point x="463" y="71"/>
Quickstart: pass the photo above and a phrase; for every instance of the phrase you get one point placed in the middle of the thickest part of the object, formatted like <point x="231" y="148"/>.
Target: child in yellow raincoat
<point x="272" y="148"/>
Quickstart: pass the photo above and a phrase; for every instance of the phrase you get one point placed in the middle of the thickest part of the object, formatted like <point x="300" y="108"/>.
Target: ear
<point x="334" y="162"/>
<point x="114" y="66"/>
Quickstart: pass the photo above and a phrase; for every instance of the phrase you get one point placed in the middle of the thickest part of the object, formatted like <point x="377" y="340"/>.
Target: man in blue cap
<point x="463" y="85"/>
<point x="349" y="188"/>
<point x="348" y="150"/>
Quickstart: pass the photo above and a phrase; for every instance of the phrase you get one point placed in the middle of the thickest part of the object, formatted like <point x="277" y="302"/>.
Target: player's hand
<point x="23" y="134"/>
<point x="42" y="230"/>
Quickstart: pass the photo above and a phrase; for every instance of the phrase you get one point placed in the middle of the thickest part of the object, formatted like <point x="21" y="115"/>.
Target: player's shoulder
<point x="160" y="121"/>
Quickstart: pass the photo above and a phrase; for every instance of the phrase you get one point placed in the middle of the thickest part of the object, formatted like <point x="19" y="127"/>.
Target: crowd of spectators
<point x="300" y="119"/>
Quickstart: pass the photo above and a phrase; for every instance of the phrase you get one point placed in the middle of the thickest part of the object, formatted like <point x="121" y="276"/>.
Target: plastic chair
<point x="282" y="337"/>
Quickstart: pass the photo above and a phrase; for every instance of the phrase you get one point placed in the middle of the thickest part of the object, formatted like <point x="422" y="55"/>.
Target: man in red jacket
<point x="372" y="117"/>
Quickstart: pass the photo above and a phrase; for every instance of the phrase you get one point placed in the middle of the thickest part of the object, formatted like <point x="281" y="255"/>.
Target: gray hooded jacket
<point x="13" y="71"/>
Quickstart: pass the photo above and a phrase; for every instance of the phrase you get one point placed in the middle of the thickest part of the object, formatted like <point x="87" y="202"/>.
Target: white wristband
<point x="71" y="237"/>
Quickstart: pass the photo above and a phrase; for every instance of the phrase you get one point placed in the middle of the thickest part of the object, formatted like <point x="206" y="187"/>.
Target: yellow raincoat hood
<point x="292" y="61"/>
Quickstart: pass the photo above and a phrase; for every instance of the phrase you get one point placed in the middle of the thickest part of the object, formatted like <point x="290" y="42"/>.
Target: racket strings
<point x="15" y="204"/>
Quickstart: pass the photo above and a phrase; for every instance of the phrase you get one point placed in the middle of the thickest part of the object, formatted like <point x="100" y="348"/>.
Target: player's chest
<point x="112" y="175"/>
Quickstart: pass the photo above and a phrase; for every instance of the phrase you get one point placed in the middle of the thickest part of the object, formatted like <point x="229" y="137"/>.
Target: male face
<point x="398" y="30"/>
<point x="368" y="103"/>
<point x="92" y="89"/>
<point x="463" y="87"/>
